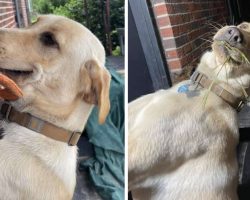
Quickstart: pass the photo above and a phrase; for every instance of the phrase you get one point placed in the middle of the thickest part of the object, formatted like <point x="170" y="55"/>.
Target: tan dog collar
<point x="40" y="126"/>
<point x="205" y="82"/>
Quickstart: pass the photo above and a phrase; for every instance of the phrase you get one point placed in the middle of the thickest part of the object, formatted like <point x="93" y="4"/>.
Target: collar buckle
<point x="75" y="136"/>
<point x="240" y="105"/>
<point x="196" y="77"/>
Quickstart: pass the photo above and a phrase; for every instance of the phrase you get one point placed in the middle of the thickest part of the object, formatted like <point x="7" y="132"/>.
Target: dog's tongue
<point x="9" y="89"/>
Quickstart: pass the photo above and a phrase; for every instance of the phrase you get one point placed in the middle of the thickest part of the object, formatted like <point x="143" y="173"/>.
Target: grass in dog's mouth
<point x="242" y="59"/>
<point x="213" y="82"/>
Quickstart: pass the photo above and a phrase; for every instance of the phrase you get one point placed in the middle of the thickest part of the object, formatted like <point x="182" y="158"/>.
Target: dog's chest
<point x="58" y="157"/>
<point x="64" y="165"/>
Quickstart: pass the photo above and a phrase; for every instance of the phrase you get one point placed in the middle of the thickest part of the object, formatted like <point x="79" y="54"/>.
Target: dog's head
<point x="58" y="63"/>
<point x="232" y="43"/>
<point x="229" y="60"/>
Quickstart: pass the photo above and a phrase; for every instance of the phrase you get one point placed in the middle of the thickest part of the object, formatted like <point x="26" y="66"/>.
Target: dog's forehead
<point x="57" y="23"/>
<point x="53" y="19"/>
<point x="69" y="34"/>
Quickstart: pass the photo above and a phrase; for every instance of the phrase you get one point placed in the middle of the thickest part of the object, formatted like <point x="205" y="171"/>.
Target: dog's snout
<point x="233" y="36"/>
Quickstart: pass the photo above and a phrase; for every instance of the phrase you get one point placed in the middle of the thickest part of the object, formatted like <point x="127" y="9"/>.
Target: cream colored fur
<point x="179" y="149"/>
<point x="67" y="79"/>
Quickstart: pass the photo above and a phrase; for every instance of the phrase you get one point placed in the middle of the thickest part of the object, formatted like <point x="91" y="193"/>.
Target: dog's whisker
<point x="208" y="34"/>
<point x="215" y="27"/>
<point x="206" y="40"/>
<point x="217" y="24"/>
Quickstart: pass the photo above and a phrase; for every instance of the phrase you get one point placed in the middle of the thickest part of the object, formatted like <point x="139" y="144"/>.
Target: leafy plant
<point x="117" y="51"/>
<point x="92" y="14"/>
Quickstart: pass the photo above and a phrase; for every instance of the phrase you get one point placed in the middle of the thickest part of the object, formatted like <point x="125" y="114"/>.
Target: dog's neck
<point x="75" y="119"/>
<point x="78" y="118"/>
<point x="233" y="79"/>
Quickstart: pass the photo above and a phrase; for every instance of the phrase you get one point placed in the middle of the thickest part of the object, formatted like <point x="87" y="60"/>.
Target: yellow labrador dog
<point x="182" y="141"/>
<point x="59" y="65"/>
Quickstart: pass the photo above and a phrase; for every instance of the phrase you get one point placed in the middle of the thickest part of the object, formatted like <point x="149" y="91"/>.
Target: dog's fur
<point x="180" y="149"/>
<point x="66" y="78"/>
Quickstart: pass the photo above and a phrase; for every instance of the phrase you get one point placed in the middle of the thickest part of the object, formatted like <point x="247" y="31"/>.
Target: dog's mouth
<point x="16" y="74"/>
<point x="230" y="53"/>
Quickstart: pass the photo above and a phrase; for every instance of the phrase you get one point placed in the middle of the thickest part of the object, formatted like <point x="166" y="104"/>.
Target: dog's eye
<point x="48" y="39"/>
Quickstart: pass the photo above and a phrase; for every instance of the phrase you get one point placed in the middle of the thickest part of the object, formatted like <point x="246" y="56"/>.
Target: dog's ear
<point x="96" y="81"/>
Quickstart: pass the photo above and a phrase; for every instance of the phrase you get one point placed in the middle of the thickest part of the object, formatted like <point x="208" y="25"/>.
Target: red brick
<point x="185" y="18"/>
<point x="194" y="34"/>
<point x="169" y="43"/>
<point x="157" y="1"/>
<point x="180" y="8"/>
<point x="175" y="64"/>
<point x="184" y="28"/>
<point x="166" y="32"/>
<point x="24" y="12"/>
<point x="176" y="31"/>
<point x="7" y="13"/>
<point x="187" y="48"/>
<point x="172" y="54"/>
<point x="170" y="8"/>
<point x="163" y="21"/>
<point x="175" y="19"/>
<point x="185" y="60"/>
<point x="160" y="10"/>
<point x="189" y="22"/>
<point x="191" y="7"/>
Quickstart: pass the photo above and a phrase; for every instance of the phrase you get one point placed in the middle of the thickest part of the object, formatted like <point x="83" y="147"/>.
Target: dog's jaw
<point x="230" y="77"/>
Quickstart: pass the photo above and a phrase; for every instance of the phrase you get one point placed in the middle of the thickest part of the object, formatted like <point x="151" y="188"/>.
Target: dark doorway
<point x="139" y="80"/>
<point x="239" y="11"/>
<point x="244" y="10"/>
<point x="147" y="69"/>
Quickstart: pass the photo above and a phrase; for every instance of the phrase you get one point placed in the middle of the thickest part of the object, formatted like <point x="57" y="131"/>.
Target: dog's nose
<point x="233" y="36"/>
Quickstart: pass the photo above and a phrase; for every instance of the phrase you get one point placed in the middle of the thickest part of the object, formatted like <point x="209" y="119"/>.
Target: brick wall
<point x="182" y="24"/>
<point x="23" y="12"/>
<point x="7" y="14"/>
